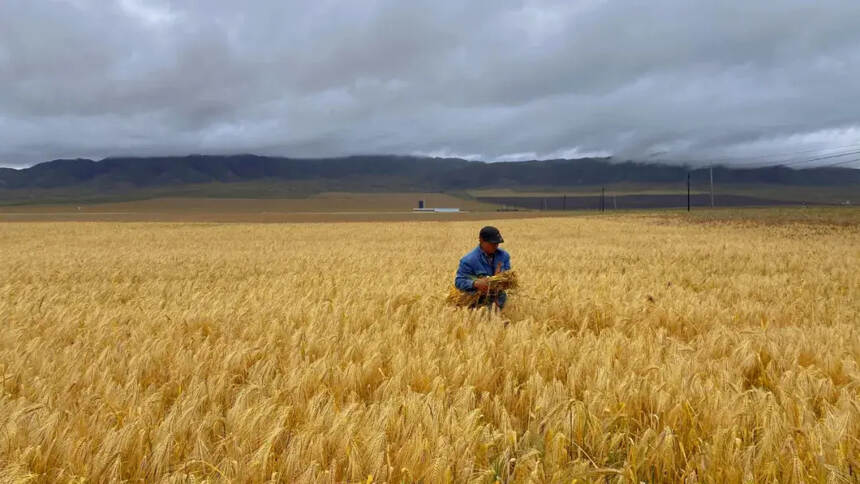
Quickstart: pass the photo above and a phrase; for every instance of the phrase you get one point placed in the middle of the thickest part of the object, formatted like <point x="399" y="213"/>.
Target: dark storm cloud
<point x="491" y="80"/>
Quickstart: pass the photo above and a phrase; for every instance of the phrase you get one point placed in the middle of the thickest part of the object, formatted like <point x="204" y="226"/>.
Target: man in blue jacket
<point x="485" y="260"/>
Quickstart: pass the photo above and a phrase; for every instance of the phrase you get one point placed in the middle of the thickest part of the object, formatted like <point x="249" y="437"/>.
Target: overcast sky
<point x="738" y="81"/>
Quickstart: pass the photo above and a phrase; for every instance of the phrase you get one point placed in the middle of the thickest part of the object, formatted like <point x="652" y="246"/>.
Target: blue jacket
<point x="476" y="264"/>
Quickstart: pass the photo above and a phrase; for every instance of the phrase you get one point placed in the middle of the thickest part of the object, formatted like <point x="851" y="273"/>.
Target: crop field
<point x="321" y="207"/>
<point x="627" y="202"/>
<point x="639" y="347"/>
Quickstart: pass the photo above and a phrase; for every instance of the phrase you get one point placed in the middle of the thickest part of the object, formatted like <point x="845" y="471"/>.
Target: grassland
<point x="793" y="193"/>
<point x="321" y="202"/>
<point x="321" y="207"/>
<point x="641" y="347"/>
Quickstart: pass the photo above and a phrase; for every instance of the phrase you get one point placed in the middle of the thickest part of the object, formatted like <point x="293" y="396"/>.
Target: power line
<point x="823" y="158"/>
<point x="796" y="160"/>
<point x="828" y="165"/>
<point x="787" y="158"/>
<point x="784" y="154"/>
<point x="838" y="163"/>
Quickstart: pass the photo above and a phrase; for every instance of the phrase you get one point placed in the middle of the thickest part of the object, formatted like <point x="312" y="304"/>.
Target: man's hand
<point x="482" y="285"/>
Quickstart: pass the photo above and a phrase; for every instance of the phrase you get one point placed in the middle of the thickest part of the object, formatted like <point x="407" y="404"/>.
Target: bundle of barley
<point x="503" y="281"/>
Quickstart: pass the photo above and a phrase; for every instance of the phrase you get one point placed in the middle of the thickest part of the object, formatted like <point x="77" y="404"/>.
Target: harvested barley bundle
<point x="460" y="298"/>
<point x="502" y="281"/>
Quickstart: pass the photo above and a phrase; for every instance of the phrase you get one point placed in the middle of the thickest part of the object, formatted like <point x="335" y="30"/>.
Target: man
<point x="485" y="260"/>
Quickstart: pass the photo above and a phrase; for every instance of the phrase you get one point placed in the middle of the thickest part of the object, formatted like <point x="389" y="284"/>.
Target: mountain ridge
<point x="386" y="173"/>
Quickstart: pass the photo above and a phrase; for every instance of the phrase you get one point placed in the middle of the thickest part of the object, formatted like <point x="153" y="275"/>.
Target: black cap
<point x="491" y="234"/>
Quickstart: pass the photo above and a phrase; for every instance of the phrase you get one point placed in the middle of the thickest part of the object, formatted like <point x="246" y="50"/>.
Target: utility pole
<point x="688" y="191"/>
<point x="602" y="199"/>
<point x="712" y="186"/>
<point x="564" y="202"/>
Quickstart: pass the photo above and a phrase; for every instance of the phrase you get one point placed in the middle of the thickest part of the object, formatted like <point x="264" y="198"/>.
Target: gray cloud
<point x="495" y="80"/>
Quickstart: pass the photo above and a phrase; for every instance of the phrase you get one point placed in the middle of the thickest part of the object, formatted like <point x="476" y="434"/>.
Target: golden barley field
<point x="638" y="348"/>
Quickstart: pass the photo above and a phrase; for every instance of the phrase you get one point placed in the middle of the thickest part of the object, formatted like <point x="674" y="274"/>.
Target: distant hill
<point x="83" y="178"/>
